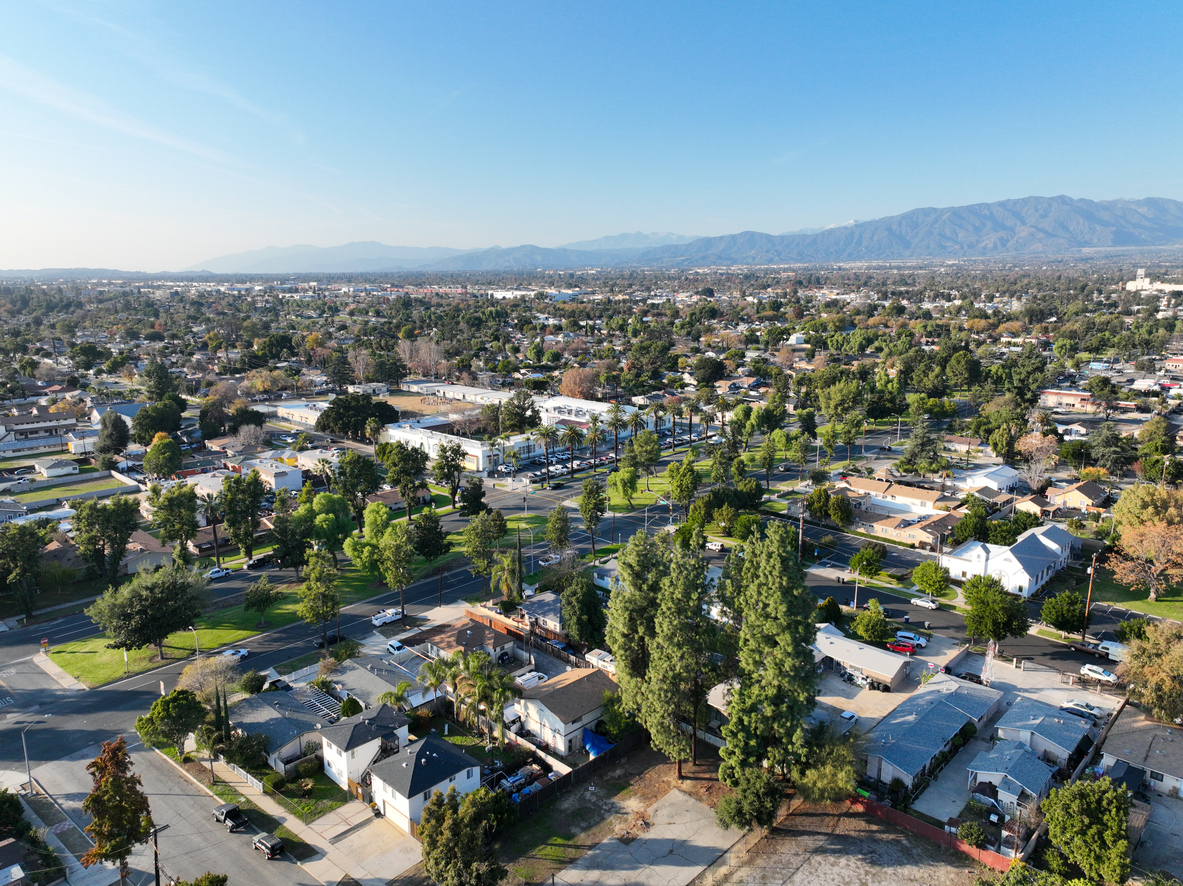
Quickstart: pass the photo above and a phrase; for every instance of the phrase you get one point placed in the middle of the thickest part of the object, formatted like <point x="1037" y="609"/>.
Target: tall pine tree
<point x="632" y="612"/>
<point x="777" y="674"/>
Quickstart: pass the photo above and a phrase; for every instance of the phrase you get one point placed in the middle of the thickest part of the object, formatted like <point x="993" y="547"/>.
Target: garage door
<point x="396" y="817"/>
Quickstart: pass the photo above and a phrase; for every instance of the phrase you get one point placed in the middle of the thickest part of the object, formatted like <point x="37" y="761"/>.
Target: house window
<point x="577" y="721"/>
<point x="451" y="779"/>
<point x="427" y="795"/>
<point x="468" y="774"/>
<point x="352" y="754"/>
<point x="1156" y="776"/>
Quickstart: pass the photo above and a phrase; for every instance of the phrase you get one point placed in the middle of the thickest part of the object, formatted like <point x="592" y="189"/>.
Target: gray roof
<point x="278" y="715"/>
<point x="548" y="606"/>
<point x="916" y="731"/>
<point x="1018" y="766"/>
<point x="1049" y="723"/>
<point x="368" y="676"/>
<point x="353" y="732"/>
<point x="422" y="765"/>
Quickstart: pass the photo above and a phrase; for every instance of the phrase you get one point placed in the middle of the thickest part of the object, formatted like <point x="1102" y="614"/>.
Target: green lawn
<point x="22" y="461"/>
<point x="81" y="589"/>
<point x="92" y="663"/>
<point x="1106" y="590"/>
<point x="71" y="489"/>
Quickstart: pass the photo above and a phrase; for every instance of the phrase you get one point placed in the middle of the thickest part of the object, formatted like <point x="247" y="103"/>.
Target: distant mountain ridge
<point x="1027" y="226"/>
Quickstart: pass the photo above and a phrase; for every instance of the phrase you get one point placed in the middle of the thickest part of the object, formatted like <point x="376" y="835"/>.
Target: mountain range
<point x="1029" y="226"/>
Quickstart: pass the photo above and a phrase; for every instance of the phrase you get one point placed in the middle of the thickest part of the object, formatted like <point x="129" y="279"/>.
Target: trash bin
<point x="907" y="618"/>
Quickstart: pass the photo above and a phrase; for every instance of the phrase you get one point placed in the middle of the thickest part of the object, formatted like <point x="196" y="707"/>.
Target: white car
<point x="1081" y="709"/>
<point x="1096" y="672"/>
<point x="386" y="616"/>
<point x="236" y="654"/>
<point x="849" y="716"/>
<point x="549" y="560"/>
<point x="914" y="639"/>
<point x="218" y="572"/>
<point x="394" y="647"/>
<point x="927" y="603"/>
<point x="504" y="469"/>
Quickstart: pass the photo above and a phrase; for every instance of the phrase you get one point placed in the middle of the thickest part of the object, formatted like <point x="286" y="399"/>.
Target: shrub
<point x="307" y="785"/>
<point x="747" y="526"/>
<point x="351" y="706"/>
<point x="323" y="683"/>
<point x="1134" y="629"/>
<point x="308" y="768"/>
<point x="346" y="650"/>
<point x="312" y="748"/>
<point x="829" y="611"/>
<point x="276" y="781"/>
<point x="252" y="682"/>
<point x="972" y="833"/>
<point x="828" y="541"/>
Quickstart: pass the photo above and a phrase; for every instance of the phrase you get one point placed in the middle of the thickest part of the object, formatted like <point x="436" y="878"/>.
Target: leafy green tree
<point x="558" y="529"/>
<point x="817" y="503"/>
<point x="405" y="466"/>
<point x="1064" y="612"/>
<point x="632" y="613"/>
<point x="206" y="879"/>
<point x="593" y="504"/>
<point x="725" y="517"/>
<point x="828" y="771"/>
<point x="519" y="414"/>
<point x="756" y="800"/>
<point x="647" y="450"/>
<point x="624" y="483"/>
<point x="363" y="551"/>
<point x="328" y="520"/>
<point x="993" y="613"/>
<point x="260" y="596"/>
<point x="171" y="719"/>
<point x="479" y="538"/>
<point x="871" y="624"/>
<point x="289" y="537"/>
<point x="348" y="414"/>
<point x="1153" y="670"/>
<point x="678" y="657"/>
<point x="868" y="560"/>
<point x="356" y="477"/>
<point x="455" y="840"/>
<point x="449" y="468"/>
<point x="320" y="598"/>
<point x="429" y="538"/>
<point x="840" y="510"/>
<point x="972" y="833"/>
<point x="163" y="458"/>
<point x="350" y="707"/>
<point x="777" y="676"/>
<point x="157" y="381"/>
<point x="102" y="531"/>
<point x="583" y="613"/>
<point x="829" y="611"/>
<point x="145" y="610"/>
<point x="684" y="481"/>
<point x="472" y="498"/>
<point x="1088" y="821"/>
<point x="157" y="418"/>
<point x="174" y="513"/>
<point x="114" y="434"/>
<point x="120" y="816"/>
<point x="395" y="556"/>
<point x="242" y="500"/>
<point x="21" y="546"/>
<point x="931" y="578"/>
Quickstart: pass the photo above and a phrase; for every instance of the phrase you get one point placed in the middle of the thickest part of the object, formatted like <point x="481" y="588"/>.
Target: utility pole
<point x="1089" y="600"/>
<point x="154" y="838"/>
<point x="800" y="527"/>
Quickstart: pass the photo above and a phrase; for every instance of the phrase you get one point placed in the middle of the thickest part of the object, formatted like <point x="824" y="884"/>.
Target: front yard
<point x="1107" y="590"/>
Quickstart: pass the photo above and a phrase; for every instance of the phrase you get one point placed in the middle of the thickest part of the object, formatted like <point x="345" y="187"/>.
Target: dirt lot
<point x="832" y="846"/>
<point x="412" y="405"/>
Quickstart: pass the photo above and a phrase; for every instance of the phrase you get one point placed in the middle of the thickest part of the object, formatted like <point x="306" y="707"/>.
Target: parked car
<point x="1116" y="651"/>
<point x="971" y="677"/>
<point x="394" y="647"/>
<point x="714" y="545"/>
<point x="386" y="616"/>
<point x="1082" y="709"/>
<point x="236" y="654"/>
<point x="927" y="603"/>
<point x="231" y="816"/>
<point x="909" y="637"/>
<point x="849" y="716"/>
<point x="1096" y="672"/>
<point x="328" y="639"/>
<point x="549" y="560"/>
<point x="530" y="680"/>
<point x="1087" y="648"/>
<point x="269" y="844"/>
<point x="218" y="572"/>
<point x="901" y="647"/>
<point x="260" y="562"/>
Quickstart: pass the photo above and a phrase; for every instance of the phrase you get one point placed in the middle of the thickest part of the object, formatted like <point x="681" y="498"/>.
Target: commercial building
<point x="832" y="650"/>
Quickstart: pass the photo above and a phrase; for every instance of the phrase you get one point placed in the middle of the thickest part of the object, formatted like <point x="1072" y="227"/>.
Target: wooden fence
<point x="580" y="774"/>
<point x="984" y="856"/>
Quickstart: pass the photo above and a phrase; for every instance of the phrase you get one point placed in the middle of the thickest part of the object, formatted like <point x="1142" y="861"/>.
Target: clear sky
<point x="151" y="136"/>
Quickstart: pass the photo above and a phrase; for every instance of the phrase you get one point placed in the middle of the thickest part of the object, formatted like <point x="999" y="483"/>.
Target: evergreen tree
<point x="593" y="504"/>
<point x="114" y="434"/>
<point x="558" y="529"/>
<point x="777" y="674"/>
<point x="632" y="613"/>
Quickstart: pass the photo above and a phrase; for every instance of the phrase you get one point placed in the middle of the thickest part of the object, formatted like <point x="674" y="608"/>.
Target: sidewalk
<point x="57" y="672"/>
<point x="352" y="842"/>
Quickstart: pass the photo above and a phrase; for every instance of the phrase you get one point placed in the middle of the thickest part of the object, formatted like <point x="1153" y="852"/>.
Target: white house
<point x="353" y="744"/>
<point x="54" y="467"/>
<point x="558" y="710"/>
<point x="1024" y="567"/>
<point x="277" y="475"/>
<point x="1001" y="478"/>
<point x="403" y="784"/>
<point x="1052" y="734"/>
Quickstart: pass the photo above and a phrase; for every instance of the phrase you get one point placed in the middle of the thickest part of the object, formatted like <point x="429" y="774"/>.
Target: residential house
<point x="908" y="740"/>
<point x="126" y="411"/>
<point x="558" y="710"/>
<point x="1155" y="747"/>
<point x="403" y="783"/>
<point x="393" y="499"/>
<point x="353" y="744"/>
<point x="969" y="445"/>
<point x="1074" y="431"/>
<point x="463" y="635"/>
<point x="1069" y="401"/>
<point x="1011" y="775"/>
<point x="367" y="677"/>
<point x="12" y="853"/>
<point x="1083" y="496"/>
<point x="54" y="467"/>
<point x="544" y="611"/>
<point x="1038" y="505"/>
<point x="374" y="389"/>
<point x="144" y="554"/>
<point x="896" y="498"/>
<point x="276" y="475"/>
<point x="286" y="719"/>
<point x="35" y="430"/>
<point x="1052" y="734"/>
<point x="10" y="509"/>
<point x="1001" y="478"/>
<point x="833" y="650"/>
<point x="1024" y="567"/>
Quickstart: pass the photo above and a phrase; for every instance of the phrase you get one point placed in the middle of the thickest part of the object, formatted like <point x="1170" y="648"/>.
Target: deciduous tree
<point x="320" y="598"/>
<point x="993" y="613"/>
<point x="558" y="529"/>
<point x="1150" y="557"/>
<point x="931" y="578"/>
<point x="1064" y="612"/>
<point x="449" y="468"/>
<point x="21" y="546"/>
<point x="242" y="500"/>
<point x="356" y="477"/>
<point x="261" y="596"/>
<point x="171" y="719"/>
<point x="174" y="513"/>
<point x="348" y="414"/>
<point x="145" y="610"/>
<point x="102" y="531"/>
<point x="120" y="816"/>
<point x="1153" y="670"/>
<point x="1088" y="821"/>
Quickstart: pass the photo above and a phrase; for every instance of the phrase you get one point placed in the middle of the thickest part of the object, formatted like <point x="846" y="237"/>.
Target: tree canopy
<point x="145" y="610"/>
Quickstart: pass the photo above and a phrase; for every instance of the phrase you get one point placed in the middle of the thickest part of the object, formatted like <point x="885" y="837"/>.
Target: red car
<point x="901" y="646"/>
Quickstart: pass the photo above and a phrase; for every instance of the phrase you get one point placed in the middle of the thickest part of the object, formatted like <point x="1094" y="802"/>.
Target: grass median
<point x="92" y="663"/>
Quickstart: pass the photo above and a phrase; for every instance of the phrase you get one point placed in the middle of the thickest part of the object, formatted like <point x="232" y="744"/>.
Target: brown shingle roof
<point x="573" y="694"/>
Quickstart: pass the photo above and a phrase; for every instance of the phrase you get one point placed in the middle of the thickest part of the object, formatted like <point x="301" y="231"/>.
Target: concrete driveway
<point x="946" y="796"/>
<point x="1161" y="848"/>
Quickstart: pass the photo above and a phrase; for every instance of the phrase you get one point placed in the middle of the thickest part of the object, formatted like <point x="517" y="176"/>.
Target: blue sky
<point x="151" y="136"/>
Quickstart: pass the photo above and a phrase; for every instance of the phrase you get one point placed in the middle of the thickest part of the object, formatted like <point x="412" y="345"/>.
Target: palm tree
<point x="374" y="428"/>
<point x="432" y="675"/>
<point x="451" y="666"/>
<point x="399" y="697"/>
<point x="497" y="690"/>
<point x="637" y="422"/>
<point x="675" y="409"/>
<point x="504" y="577"/>
<point x="325" y="468"/>
<point x="616" y="422"/>
<point x="691" y="409"/>
<point x="468" y="682"/>
<point x="657" y="410"/>
<point x="210" y="505"/>
<point x="546" y="437"/>
<point x="595" y="436"/>
<point x="572" y="436"/>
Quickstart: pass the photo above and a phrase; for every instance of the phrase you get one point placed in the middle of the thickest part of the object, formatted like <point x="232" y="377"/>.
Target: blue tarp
<point x="595" y="743"/>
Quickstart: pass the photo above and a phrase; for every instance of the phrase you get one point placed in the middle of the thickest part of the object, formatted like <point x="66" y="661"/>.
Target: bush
<point x="323" y="683"/>
<point x="308" y="768"/>
<point x="312" y="748"/>
<point x="105" y="462"/>
<point x="829" y="611"/>
<point x="1134" y="629"/>
<point x="351" y="706"/>
<point x="252" y="682"/>
<point x="346" y="650"/>
<point x="276" y="781"/>
<point x="747" y="526"/>
<point x="972" y="833"/>
<point x="11" y="813"/>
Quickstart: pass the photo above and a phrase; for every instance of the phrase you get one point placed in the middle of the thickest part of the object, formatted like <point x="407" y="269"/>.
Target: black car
<point x="329" y="639"/>
<point x="231" y="816"/>
<point x="268" y="844"/>
<point x="971" y="677"/>
<point x="260" y="562"/>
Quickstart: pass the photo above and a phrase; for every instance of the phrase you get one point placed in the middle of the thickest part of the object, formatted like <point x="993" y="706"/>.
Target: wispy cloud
<point x="21" y="80"/>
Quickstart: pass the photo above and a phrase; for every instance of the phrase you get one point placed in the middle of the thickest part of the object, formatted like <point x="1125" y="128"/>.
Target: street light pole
<point x="196" y="642"/>
<point x="1089" y="600"/>
<point x="25" y="748"/>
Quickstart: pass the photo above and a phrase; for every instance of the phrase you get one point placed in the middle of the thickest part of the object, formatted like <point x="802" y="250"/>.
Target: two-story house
<point x="402" y="784"/>
<point x="353" y="744"/>
<point x="558" y="710"/>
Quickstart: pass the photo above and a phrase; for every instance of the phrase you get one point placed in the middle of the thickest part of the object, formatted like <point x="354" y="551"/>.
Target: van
<point x="1115" y="651"/>
<point x="530" y="680"/>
